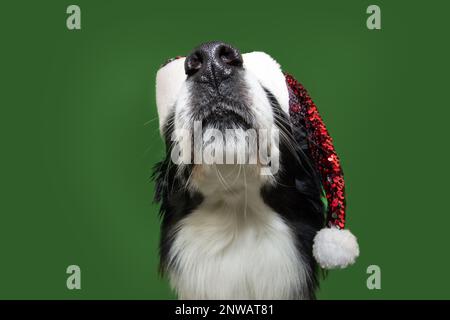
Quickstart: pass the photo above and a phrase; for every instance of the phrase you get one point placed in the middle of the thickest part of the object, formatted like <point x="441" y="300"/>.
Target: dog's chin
<point x="219" y="112"/>
<point x="226" y="121"/>
<point x="228" y="180"/>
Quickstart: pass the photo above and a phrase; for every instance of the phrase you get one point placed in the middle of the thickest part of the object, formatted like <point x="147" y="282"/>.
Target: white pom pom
<point x="334" y="248"/>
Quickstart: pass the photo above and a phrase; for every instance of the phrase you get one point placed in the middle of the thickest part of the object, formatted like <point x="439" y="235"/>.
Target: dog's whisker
<point x="222" y="180"/>
<point x="150" y="121"/>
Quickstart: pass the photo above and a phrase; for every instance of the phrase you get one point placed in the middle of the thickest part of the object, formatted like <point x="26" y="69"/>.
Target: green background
<point x="79" y="135"/>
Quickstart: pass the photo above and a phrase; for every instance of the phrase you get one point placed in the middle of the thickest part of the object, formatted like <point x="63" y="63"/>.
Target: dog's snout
<point x="213" y="62"/>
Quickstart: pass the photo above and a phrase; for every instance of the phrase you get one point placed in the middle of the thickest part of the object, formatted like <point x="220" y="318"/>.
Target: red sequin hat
<point x="334" y="246"/>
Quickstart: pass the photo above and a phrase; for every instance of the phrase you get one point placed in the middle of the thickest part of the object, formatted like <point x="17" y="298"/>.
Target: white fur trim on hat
<point x="269" y="74"/>
<point x="169" y="80"/>
<point x="334" y="248"/>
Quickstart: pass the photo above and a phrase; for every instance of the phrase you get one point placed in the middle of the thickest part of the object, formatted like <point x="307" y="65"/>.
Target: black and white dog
<point x="228" y="230"/>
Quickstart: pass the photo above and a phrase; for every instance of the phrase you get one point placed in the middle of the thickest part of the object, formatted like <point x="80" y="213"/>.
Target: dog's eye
<point x="169" y="61"/>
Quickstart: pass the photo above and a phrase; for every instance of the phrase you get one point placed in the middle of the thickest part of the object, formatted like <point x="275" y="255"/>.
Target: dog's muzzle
<point x="216" y="82"/>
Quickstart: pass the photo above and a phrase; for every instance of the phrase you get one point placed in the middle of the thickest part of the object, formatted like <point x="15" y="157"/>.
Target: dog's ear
<point x="169" y="80"/>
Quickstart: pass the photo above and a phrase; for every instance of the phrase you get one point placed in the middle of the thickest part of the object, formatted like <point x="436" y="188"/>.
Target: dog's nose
<point x="213" y="62"/>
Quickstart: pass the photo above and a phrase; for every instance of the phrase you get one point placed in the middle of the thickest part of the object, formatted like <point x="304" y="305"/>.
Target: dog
<point x="235" y="230"/>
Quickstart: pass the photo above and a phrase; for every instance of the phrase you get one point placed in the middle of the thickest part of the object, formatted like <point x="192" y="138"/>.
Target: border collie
<point x="234" y="230"/>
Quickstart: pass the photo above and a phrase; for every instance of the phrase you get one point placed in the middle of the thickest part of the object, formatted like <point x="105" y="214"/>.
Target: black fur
<point x="296" y="196"/>
<point x="175" y="201"/>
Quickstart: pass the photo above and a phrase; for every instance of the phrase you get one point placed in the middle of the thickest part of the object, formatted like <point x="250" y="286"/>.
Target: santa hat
<point x="334" y="246"/>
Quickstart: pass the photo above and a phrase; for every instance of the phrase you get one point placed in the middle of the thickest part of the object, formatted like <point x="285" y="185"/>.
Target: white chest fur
<point x="235" y="247"/>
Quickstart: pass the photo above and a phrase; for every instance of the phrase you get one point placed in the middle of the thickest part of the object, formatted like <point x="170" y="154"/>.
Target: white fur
<point x="269" y="74"/>
<point x="260" y="106"/>
<point x="169" y="80"/>
<point x="334" y="248"/>
<point x="234" y="246"/>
